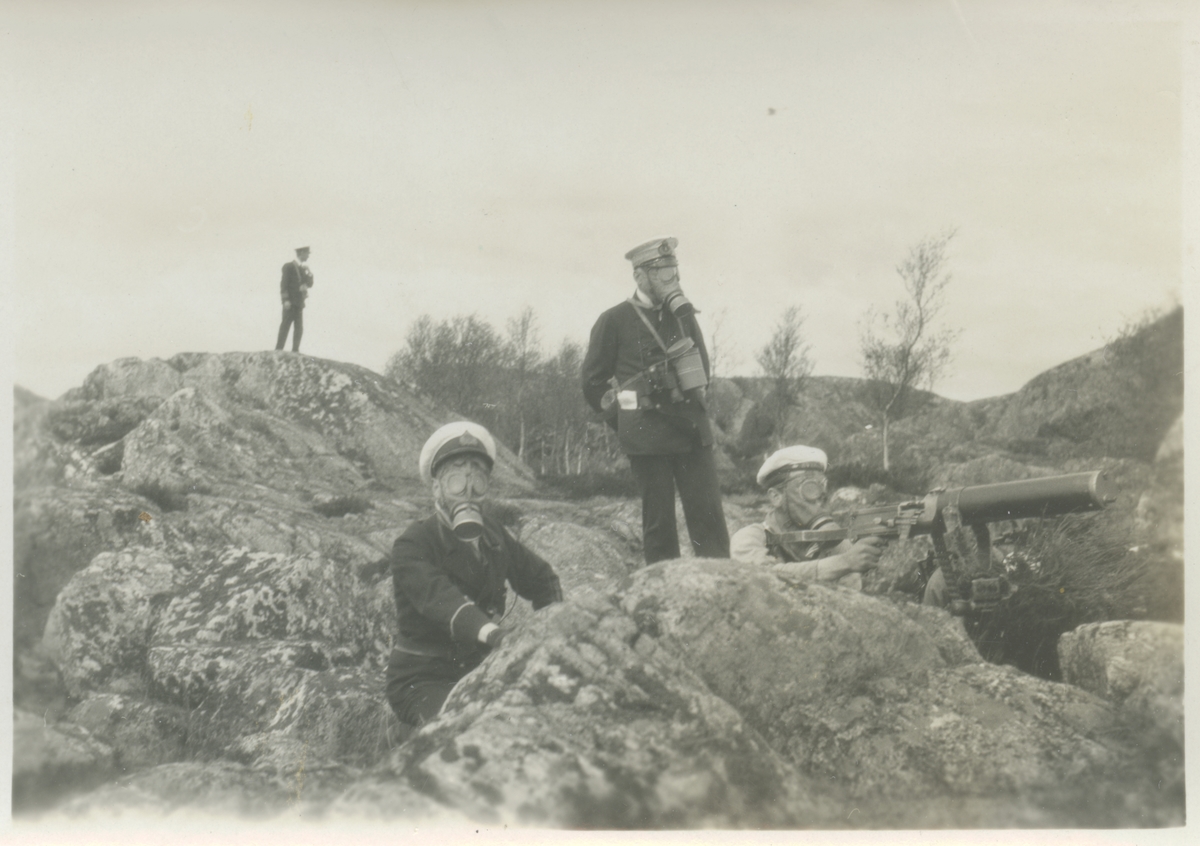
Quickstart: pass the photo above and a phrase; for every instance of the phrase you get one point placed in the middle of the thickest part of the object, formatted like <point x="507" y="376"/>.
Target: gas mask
<point x="664" y="281"/>
<point x="463" y="486"/>
<point x="803" y="496"/>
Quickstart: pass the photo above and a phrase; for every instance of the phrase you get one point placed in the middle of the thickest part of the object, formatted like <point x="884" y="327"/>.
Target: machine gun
<point x="947" y="514"/>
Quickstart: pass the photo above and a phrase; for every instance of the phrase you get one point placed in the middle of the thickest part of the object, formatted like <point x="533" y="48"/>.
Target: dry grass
<point x="1070" y="571"/>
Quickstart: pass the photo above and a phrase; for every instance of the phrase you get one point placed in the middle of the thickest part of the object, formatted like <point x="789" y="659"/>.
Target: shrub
<point x="618" y="483"/>
<point x="340" y="506"/>
<point x="165" y="497"/>
<point x="905" y="478"/>
<point x="1070" y="571"/>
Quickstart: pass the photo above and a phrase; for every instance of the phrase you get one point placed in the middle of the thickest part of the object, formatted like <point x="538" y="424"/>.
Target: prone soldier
<point x="796" y="485"/>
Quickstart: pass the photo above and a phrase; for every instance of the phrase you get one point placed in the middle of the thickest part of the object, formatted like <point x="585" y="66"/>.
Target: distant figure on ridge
<point x="293" y="290"/>
<point x="647" y="369"/>
<point x="448" y="575"/>
<point x="795" y="481"/>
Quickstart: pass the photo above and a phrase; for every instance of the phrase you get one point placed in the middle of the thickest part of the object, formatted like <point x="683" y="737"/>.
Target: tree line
<point x="532" y="401"/>
<point x="903" y="350"/>
<point x="529" y="398"/>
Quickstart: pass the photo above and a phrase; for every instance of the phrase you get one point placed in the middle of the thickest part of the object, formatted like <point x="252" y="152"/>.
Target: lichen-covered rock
<point x="853" y="690"/>
<point x="51" y="761"/>
<point x="244" y="595"/>
<point x="141" y="733"/>
<point x="1138" y="666"/>
<point x="100" y="626"/>
<point x="571" y="724"/>
<point x="58" y="532"/>
<point x="129" y="377"/>
<point x="274" y="657"/>
<point x="213" y="789"/>
<point x="371" y="420"/>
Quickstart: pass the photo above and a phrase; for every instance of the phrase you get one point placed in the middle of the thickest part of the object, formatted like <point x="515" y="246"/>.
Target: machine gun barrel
<point x="1049" y="496"/>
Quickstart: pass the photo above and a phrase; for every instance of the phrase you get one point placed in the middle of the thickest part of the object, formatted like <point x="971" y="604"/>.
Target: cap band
<point x="781" y="474"/>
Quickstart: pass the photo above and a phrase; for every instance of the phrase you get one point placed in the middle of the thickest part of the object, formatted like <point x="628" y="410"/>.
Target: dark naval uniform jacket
<point x="294" y="285"/>
<point x="622" y="346"/>
<point x="445" y="593"/>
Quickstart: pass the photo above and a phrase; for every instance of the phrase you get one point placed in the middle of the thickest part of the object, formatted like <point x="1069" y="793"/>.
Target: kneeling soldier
<point x="795" y="481"/>
<point x="449" y="572"/>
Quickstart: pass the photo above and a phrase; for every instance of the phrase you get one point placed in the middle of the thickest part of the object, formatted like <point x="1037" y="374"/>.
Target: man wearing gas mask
<point x="795" y="481"/>
<point x="449" y="572"/>
<point x="647" y="369"/>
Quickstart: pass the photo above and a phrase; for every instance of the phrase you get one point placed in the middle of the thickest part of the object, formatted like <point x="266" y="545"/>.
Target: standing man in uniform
<point x="795" y="481"/>
<point x="647" y="368"/>
<point x="448" y="575"/>
<point x="293" y="290"/>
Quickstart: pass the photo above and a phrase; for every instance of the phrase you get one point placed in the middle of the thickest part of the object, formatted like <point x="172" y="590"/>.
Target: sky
<point x="480" y="157"/>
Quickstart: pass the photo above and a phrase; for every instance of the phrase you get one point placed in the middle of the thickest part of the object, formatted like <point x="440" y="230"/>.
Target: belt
<point x="430" y="650"/>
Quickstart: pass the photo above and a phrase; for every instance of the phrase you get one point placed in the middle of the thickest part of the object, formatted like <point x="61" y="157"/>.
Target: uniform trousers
<point x="417" y="685"/>
<point x="291" y="316"/>
<point x="695" y="475"/>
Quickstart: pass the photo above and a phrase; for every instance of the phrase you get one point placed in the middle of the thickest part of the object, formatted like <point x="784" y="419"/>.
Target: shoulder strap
<point x="646" y="320"/>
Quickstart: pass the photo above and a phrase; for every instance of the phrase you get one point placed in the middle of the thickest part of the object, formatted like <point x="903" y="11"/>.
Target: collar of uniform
<point x="642" y="301"/>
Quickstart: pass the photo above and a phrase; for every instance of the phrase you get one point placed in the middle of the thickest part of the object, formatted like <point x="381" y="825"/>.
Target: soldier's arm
<point x="857" y="557"/>
<point x="532" y="576"/>
<point x="749" y="546"/>
<point x="600" y="363"/>
<point x="430" y="590"/>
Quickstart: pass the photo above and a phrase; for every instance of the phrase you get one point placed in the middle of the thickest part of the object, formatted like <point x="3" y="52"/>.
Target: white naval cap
<point x="659" y="252"/>
<point x="789" y="459"/>
<point x="455" y="438"/>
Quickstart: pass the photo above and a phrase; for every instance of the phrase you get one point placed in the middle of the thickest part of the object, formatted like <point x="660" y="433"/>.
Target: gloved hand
<point x="494" y="638"/>
<point x="287" y="305"/>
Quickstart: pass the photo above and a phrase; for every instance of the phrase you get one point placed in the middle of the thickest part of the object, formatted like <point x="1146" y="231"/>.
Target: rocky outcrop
<point x="204" y="612"/>
<point x="53" y="761"/>
<point x="1137" y="666"/>
<point x="1160" y="508"/>
<point x="273" y="657"/>
<point x="852" y="690"/>
<point x="573" y="725"/>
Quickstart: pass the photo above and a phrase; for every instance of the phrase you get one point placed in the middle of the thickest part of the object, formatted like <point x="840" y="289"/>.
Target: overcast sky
<point x="449" y="158"/>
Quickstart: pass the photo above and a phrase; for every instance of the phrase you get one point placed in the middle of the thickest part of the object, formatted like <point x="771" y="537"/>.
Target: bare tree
<point x="523" y="351"/>
<point x="455" y="362"/>
<point x="720" y="353"/>
<point x="785" y="362"/>
<point x="903" y="351"/>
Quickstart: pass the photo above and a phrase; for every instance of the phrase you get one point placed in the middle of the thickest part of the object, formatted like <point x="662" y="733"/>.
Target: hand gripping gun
<point x="947" y="515"/>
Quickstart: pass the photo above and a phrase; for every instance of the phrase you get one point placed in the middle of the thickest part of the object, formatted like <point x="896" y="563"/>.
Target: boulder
<point x="141" y="733"/>
<point x="100" y="626"/>
<point x="274" y="658"/>
<point x="853" y="690"/>
<point x="58" y="532"/>
<point x="573" y="724"/>
<point x="129" y="377"/>
<point x="1138" y="666"/>
<point x="223" y="790"/>
<point x="52" y="761"/>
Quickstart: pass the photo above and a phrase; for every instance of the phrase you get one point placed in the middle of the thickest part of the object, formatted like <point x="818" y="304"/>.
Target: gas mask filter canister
<point x="466" y="521"/>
